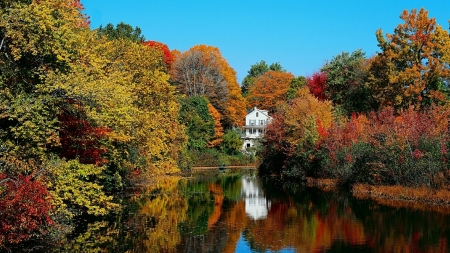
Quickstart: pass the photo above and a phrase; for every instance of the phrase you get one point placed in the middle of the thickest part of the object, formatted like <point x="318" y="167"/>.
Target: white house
<point x="255" y="126"/>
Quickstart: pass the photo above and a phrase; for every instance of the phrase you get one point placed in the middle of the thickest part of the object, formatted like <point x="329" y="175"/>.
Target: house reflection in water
<point x="256" y="204"/>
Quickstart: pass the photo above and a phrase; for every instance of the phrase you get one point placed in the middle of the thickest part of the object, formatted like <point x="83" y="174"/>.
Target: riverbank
<point x="421" y="198"/>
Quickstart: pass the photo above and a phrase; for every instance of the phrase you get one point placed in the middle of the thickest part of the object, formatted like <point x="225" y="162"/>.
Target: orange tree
<point x="294" y="133"/>
<point x="202" y="70"/>
<point x="256" y="70"/>
<point x="412" y="68"/>
<point x="269" y="90"/>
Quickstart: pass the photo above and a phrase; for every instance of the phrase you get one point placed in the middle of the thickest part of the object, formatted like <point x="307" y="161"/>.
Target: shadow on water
<point x="239" y="212"/>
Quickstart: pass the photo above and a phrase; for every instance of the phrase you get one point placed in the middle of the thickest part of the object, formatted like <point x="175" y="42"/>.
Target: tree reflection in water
<point x="231" y="213"/>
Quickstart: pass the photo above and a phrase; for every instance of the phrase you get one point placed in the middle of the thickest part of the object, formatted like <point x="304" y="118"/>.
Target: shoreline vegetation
<point x="419" y="198"/>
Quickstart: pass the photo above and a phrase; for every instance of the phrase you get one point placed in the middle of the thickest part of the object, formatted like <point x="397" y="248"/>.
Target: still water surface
<point x="241" y="213"/>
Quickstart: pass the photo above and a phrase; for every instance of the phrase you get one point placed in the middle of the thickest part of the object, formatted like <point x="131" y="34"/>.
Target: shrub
<point x="24" y="209"/>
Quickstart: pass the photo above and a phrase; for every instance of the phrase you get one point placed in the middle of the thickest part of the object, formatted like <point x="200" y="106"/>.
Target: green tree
<point x="122" y="30"/>
<point x="296" y="83"/>
<point x="36" y="37"/>
<point x="346" y="76"/>
<point x="232" y="142"/>
<point x="194" y="114"/>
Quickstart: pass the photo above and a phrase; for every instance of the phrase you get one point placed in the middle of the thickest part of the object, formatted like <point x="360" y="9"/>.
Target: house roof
<point x="254" y="109"/>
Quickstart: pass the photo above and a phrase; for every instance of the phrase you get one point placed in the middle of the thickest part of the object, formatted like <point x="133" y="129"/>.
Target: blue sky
<point x="301" y="35"/>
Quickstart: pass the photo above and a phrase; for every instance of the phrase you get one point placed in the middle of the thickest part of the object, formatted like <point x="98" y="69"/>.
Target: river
<point x="242" y="213"/>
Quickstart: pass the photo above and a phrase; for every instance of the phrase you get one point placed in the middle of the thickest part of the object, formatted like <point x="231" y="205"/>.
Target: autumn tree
<point x="167" y="54"/>
<point x="345" y="82"/>
<point x="33" y="42"/>
<point x="293" y="133"/>
<point x="79" y="139"/>
<point x="25" y="209"/>
<point x="316" y="84"/>
<point x="202" y="70"/>
<point x="412" y="68"/>
<point x="85" y="109"/>
<point x="296" y="84"/>
<point x="218" y="129"/>
<point x="269" y="90"/>
<point x="195" y="75"/>
<point x="256" y="70"/>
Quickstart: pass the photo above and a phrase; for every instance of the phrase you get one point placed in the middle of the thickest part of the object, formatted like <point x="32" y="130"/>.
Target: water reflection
<point x="256" y="204"/>
<point x="233" y="213"/>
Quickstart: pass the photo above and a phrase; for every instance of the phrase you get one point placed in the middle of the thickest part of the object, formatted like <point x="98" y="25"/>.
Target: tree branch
<point x="1" y="44"/>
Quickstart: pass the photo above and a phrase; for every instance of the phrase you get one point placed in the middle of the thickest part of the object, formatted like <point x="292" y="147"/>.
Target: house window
<point x="252" y="122"/>
<point x="248" y="145"/>
<point x="261" y="122"/>
<point x="256" y="114"/>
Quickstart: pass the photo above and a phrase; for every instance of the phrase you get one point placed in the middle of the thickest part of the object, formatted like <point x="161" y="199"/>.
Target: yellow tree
<point x="301" y="118"/>
<point x="35" y="37"/>
<point x="123" y="86"/>
<point x="412" y="68"/>
<point x="269" y="90"/>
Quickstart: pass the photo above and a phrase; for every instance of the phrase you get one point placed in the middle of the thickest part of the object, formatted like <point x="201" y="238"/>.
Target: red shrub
<point x="24" y="209"/>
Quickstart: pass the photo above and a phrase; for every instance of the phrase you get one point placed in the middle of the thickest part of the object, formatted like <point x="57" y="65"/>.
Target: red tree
<point x="317" y="85"/>
<point x="167" y="55"/>
<point x="79" y="139"/>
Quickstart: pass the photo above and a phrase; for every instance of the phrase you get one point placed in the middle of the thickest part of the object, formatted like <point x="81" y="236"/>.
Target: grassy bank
<point x="421" y="198"/>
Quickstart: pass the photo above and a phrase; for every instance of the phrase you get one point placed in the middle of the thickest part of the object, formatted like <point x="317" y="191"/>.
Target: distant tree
<point x="122" y="30"/>
<point x="256" y="70"/>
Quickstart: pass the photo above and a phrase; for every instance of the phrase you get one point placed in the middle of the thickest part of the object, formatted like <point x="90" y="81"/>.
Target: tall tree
<point x="218" y="129"/>
<point x="412" y="68"/>
<point x="36" y="37"/>
<point x="256" y="70"/>
<point x="202" y="70"/>
<point x="269" y="90"/>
